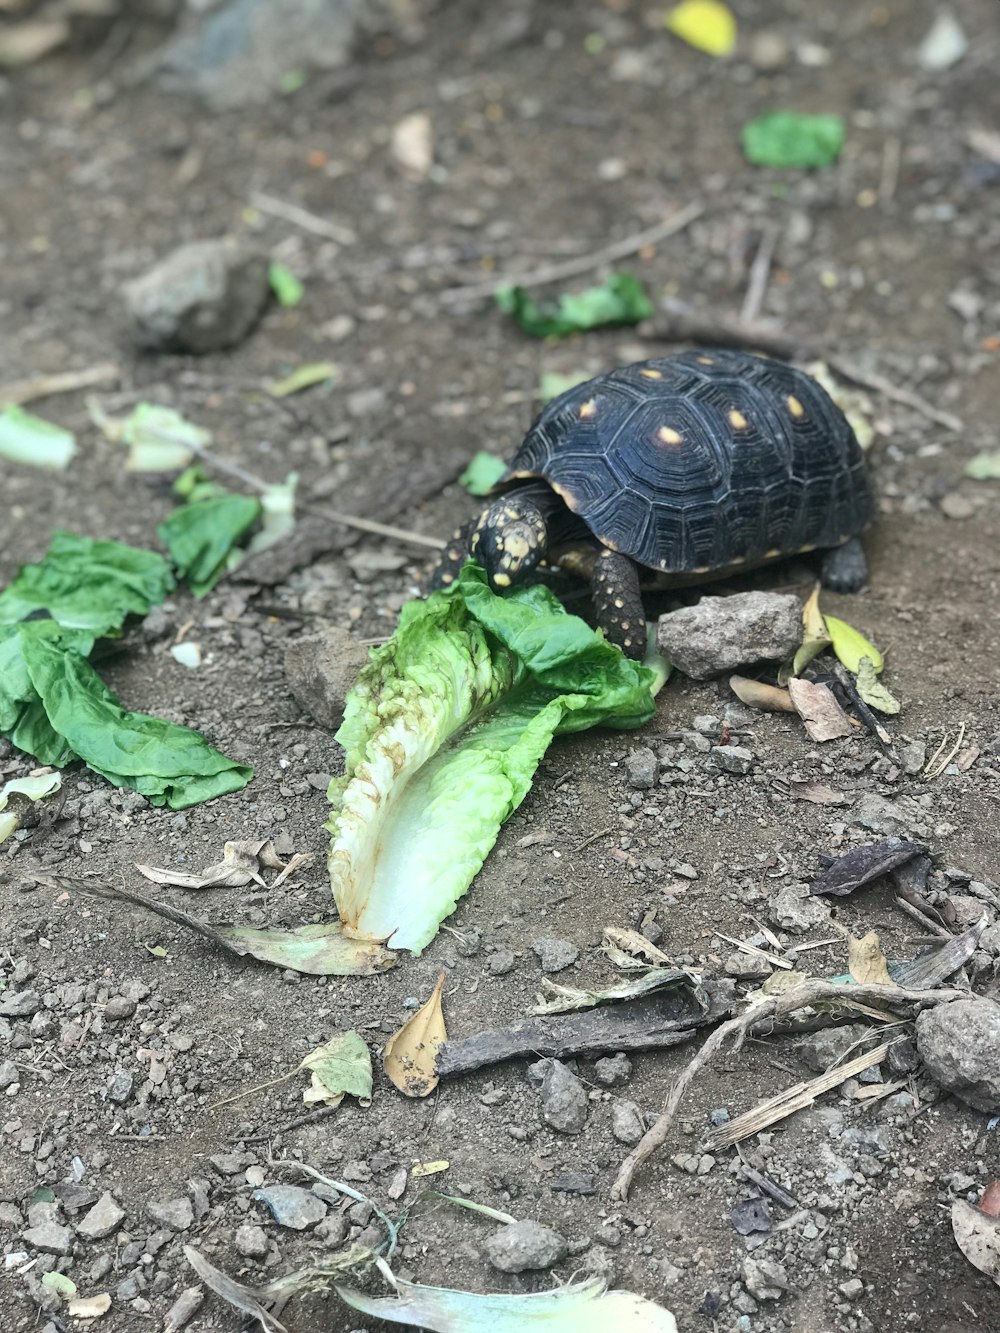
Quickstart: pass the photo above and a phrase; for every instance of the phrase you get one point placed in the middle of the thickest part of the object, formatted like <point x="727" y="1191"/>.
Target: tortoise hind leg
<point x="618" y="602"/>
<point x="445" y="570"/>
<point x="845" y="568"/>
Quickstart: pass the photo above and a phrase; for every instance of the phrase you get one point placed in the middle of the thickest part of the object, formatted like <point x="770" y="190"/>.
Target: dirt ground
<point x="556" y="128"/>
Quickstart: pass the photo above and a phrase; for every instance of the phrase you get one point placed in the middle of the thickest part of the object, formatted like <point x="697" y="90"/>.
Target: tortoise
<point x="685" y="467"/>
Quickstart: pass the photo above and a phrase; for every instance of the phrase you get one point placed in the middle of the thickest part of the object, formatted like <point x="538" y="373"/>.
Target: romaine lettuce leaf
<point x="443" y="731"/>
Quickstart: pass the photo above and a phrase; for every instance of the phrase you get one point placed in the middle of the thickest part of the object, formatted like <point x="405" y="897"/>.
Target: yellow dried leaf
<point x="429" y="1168"/>
<point x="850" y="644"/>
<point x="707" y="25"/>
<point x="410" y="1057"/>
<point x="866" y="961"/>
<point x="814" y="632"/>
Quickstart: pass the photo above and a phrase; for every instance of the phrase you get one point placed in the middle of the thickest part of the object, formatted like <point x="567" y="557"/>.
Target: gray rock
<point x="829" y="1046"/>
<point x="733" y="758"/>
<point x="554" y="955"/>
<point x="203" y="297"/>
<point x="640" y="768"/>
<point x="119" y="1007"/>
<point x="49" y="1237"/>
<point x="175" y="1214"/>
<point x="19" y="1003"/>
<point x="626" y="1123"/>
<point x="564" y="1099"/>
<point x="291" y="1206"/>
<point x="960" y="1045"/>
<point x="333" y="1230"/>
<point x="721" y="633"/>
<point x="120" y="1087"/>
<point x="500" y="962"/>
<point x="251" y="1241"/>
<point x="524" y="1245"/>
<point x="794" y="910"/>
<point x="184" y="1309"/>
<point x="913" y="757"/>
<point x="321" y="669"/>
<point x="764" y="1279"/>
<point x="9" y="1074"/>
<point x="574" y="1182"/>
<point x="613" y="1070"/>
<point x="10" y="1216"/>
<point x="104" y="1219"/>
<point x="238" y="54"/>
<point x="879" y="814"/>
<point x="747" y="967"/>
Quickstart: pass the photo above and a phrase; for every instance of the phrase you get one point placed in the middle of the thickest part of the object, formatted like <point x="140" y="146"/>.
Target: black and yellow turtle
<point x="690" y="466"/>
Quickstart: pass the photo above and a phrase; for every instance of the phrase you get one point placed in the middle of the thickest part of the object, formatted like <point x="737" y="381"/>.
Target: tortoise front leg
<point x="618" y="602"/>
<point x="448" y="565"/>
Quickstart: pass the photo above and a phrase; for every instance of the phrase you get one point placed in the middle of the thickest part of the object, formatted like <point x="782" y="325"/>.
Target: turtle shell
<point x="702" y="460"/>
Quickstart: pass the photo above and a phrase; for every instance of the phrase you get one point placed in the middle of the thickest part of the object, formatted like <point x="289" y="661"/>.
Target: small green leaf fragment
<point x="872" y="690"/>
<point x="59" y="1282"/>
<point x="302" y="377"/>
<point x="288" y="291"/>
<point x="25" y="438"/>
<point x="850" y="645"/>
<point x="622" y="299"/>
<point x="342" y="1065"/>
<point x="483" y="472"/>
<point x="157" y="950"/>
<point x="786" y="139"/>
<point x="984" y="466"/>
<point x="552" y="384"/>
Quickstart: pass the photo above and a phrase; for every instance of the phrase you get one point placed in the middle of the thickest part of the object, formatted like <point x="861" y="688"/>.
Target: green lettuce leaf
<point x="483" y="472"/>
<point x="87" y="584"/>
<point x="786" y="139"/>
<point x="28" y="439"/>
<point x="622" y="299"/>
<point x="443" y="731"/>
<point x="203" y="537"/>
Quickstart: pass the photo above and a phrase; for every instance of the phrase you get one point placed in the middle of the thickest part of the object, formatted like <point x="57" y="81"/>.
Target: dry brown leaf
<point x="866" y="961"/>
<point x="824" y="718"/>
<point x="627" y="947"/>
<point x="241" y="862"/>
<point x="413" y="144"/>
<point x="755" y="694"/>
<point x="410" y="1056"/>
<point x="978" y="1236"/>
<point x="817" y="792"/>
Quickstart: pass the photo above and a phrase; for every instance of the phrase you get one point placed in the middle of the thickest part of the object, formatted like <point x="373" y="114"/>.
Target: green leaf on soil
<point x="484" y="1209"/>
<point x="159" y="439"/>
<point x="443" y="731"/>
<point x="288" y="291"/>
<point x="871" y="689"/>
<point x="34" y="789"/>
<point x="277" y="516"/>
<point x="87" y="584"/>
<point x="342" y="1065"/>
<point x="577" y="1307"/>
<point x="203" y="536"/>
<point x="25" y="438"/>
<point x="984" y="466"/>
<point x="302" y="377"/>
<point x="552" y="384"/>
<point x="483" y="472"/>
<point x="622" y="299"/>
<point x="56" y="1281"/>
<point x="786" y="139"/>
<point x="157" y="950"/>
<point x="815" y="636"/>
<point x="850" y="645"/>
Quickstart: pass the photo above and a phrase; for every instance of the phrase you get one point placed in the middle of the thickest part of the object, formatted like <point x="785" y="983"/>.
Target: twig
<point x="594" y="837"/>
<point x="280" y="208"/>
<point x="770" y="1186"/>
<point x="333" y="515"/>
<point x="753" y="1021"/>
<point x="891" y="154"/>
<point x="923" y="920"/>
<point x="66" y="381"/>
<point x="680" y="322"/>
<point x="867" y="716"/>
<point x="760" y="271"/>
<point x="571" y="268"/>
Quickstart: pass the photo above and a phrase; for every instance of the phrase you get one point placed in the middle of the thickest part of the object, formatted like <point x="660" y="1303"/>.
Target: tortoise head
<point x="509" y="540"/>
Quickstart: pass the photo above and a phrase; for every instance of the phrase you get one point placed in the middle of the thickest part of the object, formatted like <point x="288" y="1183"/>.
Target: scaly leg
<point x="618" y="602"/>
<point x="845" y="568"/>
<point x="445" y="570"/>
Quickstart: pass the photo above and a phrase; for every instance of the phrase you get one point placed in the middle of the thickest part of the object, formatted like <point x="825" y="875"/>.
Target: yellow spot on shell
<point x="502" y="580"/>
<point x="773" y="553"/>
<point x="667" y="435"/>
<point x="649" y="374"/>
<point x="737" y="420"/>
<point x="705" y="361"/>
<point x="587" y="409"/>
<point x="794" y="406"/>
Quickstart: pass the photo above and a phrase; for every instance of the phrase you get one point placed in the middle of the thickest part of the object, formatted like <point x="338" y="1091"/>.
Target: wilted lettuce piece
<point x="167" y="763"/>
<point x="159" y="438"/>
<point x="552" y="383"/>
<point x="28" y="439"/>
<point x="786" y="139"/>
<point x="86" y="584"/>
<point x="621" y="299"/>
<point x="443" y="731"/>
<point x="483" y="472"/>
<point x="288" y="291"/>
<point x="984" y="466"/>
<point x="707" y="25"/>
<point x="203" y="536"/>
